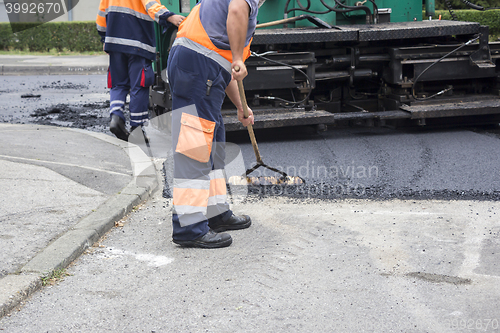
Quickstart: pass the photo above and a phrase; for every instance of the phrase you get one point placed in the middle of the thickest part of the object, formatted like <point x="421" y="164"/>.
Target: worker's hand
<point x="239" y="70"/>
<point x="176" y="19"/>
<point x="245" y="121"/>
<point x="104" y="47"/>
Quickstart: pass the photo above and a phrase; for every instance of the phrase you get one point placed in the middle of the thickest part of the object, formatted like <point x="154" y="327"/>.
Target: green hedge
<point x="72" y="36"/>
<point x="490" y="18"/>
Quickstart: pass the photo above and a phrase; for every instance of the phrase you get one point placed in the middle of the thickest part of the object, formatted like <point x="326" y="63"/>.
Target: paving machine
<point x="371" y="62"/>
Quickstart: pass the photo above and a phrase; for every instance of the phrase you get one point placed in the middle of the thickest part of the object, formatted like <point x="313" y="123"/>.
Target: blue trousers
<point x="130" y="74"/>
<point x="198" y="87"/>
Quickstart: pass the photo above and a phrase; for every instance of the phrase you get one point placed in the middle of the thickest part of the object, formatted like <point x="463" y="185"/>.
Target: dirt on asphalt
<point x="91" y="116"/>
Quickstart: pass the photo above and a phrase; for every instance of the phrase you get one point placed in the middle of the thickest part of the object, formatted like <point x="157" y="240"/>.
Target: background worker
<point x="127" y="30"/>
<point x="211" y="43"/>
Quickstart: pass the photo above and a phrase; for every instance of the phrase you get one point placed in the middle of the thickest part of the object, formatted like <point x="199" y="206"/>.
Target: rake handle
<point x="241" y="90"/>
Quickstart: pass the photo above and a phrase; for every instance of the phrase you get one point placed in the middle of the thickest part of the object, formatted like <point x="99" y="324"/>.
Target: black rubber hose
<point x="473" y="6"/>
<point x="329" y="9"/>
<point x="434" y="63"/>
<point x="450" y="9"/>
<point x="365" y="8"/>
<point x="304" y="9"/>
<point x="375" y="11"/>
<point x="308" y="80"/>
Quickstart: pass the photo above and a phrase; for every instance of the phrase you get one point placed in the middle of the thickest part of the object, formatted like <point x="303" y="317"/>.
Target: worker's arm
<point x="161" y="14"/>
<point x="237" y="27"/>
<point x="101" y="19"/>
<point x="234" y="95"/>
<point x="175" y="19"/>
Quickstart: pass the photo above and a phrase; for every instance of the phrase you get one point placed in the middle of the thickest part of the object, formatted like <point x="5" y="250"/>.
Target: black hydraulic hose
<point x="329" y="9"/>
<point x="477" y="7"/>
<point x="304" y="9"/>
<point x="473" y="6"/>
<point x="349" y="9"/>
<point x="450" y="9"/>
<point x="434" y="63"/>
<point x="375" y="11"/>
<point x="468" y="4"/>
<point x="291" y="66"/>
<point x="365" y="8"/>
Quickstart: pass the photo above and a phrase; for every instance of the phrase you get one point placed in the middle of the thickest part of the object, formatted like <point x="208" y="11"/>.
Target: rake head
<point x="263" y="181"/>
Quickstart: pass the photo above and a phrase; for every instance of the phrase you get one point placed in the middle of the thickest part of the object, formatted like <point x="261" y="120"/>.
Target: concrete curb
<point x="15" y="288"/>
<point x="17" y="70"/>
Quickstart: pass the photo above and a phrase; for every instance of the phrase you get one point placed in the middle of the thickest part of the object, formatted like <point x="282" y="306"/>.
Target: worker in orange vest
<point x="206" y="59"/>
<point x="126" y="28"/>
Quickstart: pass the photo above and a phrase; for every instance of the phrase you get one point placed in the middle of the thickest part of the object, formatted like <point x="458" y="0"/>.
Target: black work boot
<point x="118" y="128"/>
<point x="211" y="240"/>
<point x="233" y="222"/>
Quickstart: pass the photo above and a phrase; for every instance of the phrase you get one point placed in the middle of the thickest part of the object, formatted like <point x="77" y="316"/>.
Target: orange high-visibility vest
<point x="192" y="29"/>
<point x="127" y="25"/>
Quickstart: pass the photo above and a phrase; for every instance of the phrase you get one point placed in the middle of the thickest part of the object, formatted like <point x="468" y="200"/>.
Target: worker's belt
<point x="186" y="42"/>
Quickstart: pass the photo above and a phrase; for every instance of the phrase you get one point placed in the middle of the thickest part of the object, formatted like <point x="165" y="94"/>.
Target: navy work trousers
<point x="198" y="87"/>
<point x="130" y="74"/>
